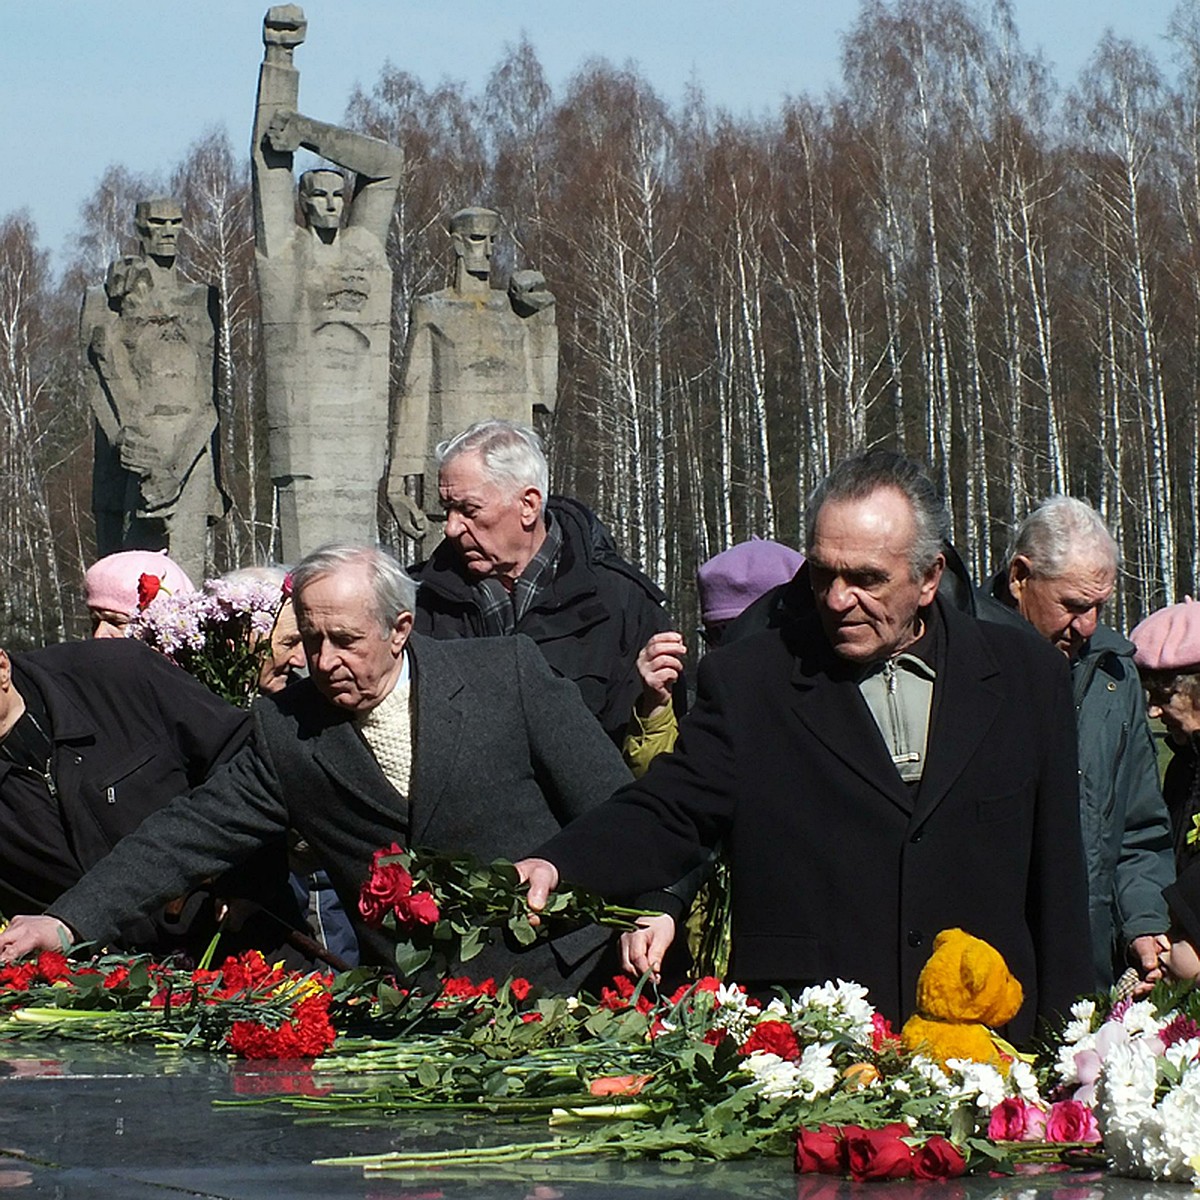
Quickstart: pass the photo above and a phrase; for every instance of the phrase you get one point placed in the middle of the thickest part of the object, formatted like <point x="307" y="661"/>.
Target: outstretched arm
<point x="377" y="164"/>
<point x="271" y="168"/>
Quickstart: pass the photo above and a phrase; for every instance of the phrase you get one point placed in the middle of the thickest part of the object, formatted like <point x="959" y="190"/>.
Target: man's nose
<point x="454" y="525"/>
<point x="1085" y="624"/>
<point x="838" y="597"/>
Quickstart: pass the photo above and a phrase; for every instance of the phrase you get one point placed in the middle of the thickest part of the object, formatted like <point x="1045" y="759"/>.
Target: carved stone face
<point x="322" y="197"/>
<point x="475" y="249"/>
<point x="159" y="224"/>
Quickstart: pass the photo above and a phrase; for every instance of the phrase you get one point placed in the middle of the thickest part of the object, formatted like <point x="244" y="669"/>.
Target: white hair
<point x="1060" y="531"/>
<point x="511" y="455"/>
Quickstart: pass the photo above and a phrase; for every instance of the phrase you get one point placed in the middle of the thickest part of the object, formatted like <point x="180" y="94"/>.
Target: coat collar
<point x="827" y="700"/>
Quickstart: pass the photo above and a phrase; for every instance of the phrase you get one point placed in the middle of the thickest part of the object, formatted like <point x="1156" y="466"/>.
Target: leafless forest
<point x="949" y="254"/>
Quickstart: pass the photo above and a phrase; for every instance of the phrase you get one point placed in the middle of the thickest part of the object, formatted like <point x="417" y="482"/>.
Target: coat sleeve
<point x="196" y="836"/>
<point x="1056" y="903"/>
<point x="1146" y="864"/>
<point x="580" y="767"/>
<point x="655" y="830"/>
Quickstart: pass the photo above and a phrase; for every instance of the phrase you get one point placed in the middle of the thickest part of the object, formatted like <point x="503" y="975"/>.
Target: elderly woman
<point x="120" y="585"/>
<point x="1168" y="659"/>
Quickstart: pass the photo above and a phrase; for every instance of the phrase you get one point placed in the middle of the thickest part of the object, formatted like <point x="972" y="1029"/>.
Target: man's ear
<point x="1020" y="572"/>
<point x="400" y="631"/>
<point x="933" y="576"/>
<point x="5" y="670"/>
<point x="530" y="500"/>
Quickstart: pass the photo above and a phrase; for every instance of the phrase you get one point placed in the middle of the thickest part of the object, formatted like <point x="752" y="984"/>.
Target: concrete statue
<point x="326" y="291"/>
<point x="148" y="338"/>
<point x="473" y="352"/>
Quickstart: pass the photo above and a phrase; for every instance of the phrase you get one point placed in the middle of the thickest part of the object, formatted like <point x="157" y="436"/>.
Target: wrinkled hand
<point x="31" y="935"/>
<point x="1143" y="954"/>
<point x="659" y="665"/>
<point x="412" y="521"/>
<point x="542" y="877"/>
<point x="285" y="131"/>
<point x="644" y="948"/>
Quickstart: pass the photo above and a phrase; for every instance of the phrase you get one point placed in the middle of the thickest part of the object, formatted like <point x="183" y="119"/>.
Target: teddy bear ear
<point x="976" y="965"/>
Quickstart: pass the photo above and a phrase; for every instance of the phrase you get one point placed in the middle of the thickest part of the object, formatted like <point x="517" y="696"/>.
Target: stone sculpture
<point x="326" y="291"/>
<point x="473" y="352"/>
<point x="148" y="338"/>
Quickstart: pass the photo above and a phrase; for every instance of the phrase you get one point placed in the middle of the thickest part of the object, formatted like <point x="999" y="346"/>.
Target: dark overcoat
<point x="504" y="754"/>
<point x="838" y="870"/>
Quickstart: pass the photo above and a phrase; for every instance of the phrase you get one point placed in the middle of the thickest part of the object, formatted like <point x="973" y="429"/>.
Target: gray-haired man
<point x="470" y="746"/>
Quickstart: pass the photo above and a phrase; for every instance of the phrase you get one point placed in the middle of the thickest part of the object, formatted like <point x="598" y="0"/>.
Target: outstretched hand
<point x="542" y="877"/>
<point x="644" y="948"/>
<point x="28" y="935"/>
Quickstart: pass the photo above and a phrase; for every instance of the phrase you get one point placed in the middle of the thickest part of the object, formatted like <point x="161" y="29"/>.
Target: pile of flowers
<point x="219" y="634"/>
<point x="247" y="1005"/>
<point x="1138" y="1063"/>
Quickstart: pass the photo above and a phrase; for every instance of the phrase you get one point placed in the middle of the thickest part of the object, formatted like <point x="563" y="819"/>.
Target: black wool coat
<point x="589" y="623"/>
<point x="837" y="870"/>
<point x="504" y="754"/>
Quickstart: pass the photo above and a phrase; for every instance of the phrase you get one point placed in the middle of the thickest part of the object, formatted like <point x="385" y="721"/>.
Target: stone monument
<point x="473" y="352"/>
<point x="326" y="291"/>
<point x="149" y="338"/>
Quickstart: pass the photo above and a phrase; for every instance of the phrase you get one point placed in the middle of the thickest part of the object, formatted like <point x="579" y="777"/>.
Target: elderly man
<point x="880" y="769"/>
<point x="515" y="562"/>
<point x="96" y="736"/>
<point x="470" y="746"/>
<point x="1061" y="570"/>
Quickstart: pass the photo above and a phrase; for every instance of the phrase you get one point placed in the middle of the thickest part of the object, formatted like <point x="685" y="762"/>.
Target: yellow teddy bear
<point x="964" y="988"/>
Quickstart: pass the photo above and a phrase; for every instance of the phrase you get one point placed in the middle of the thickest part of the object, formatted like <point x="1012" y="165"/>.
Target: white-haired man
<point x="1061" y="570"/>
<point x="470" y="746"/>
<point x="516" y="560"/>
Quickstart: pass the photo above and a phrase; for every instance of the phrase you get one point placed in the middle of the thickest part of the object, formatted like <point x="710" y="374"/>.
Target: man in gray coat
<point x="472" y="745"/>
<point x="1061" y="570"/>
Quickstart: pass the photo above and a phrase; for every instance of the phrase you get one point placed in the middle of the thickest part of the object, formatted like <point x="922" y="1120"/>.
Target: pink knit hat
<point x="731" y="581"/>
<point x="112" y="583"/>
<point x="1169" y="640"/>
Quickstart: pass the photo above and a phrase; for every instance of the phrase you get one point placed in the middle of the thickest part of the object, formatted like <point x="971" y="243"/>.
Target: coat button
<point x="1112" y="687"/>
<point x="916" y="837"/>
<point x="915" y="938"/>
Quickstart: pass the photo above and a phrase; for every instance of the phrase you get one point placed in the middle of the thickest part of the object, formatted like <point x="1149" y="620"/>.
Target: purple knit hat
<point x="1169" y="639"/>
<point x="112" y="583"/>
<point x="732" y="580"/>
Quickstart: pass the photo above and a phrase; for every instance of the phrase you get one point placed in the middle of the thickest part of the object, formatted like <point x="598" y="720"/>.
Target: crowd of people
<point x="874" y="749"/>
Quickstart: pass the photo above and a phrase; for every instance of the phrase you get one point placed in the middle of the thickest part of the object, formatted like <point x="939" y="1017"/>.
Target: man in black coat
<point x="514" y="561"/>
<point x="466" y="746"/>
<point x="94" y="737"/>
<point x="878" y="770"/>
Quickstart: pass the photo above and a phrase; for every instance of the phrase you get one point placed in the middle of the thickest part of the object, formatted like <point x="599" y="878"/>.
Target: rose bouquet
<point x="220" y="634"/>
<point x="445" y="908"/>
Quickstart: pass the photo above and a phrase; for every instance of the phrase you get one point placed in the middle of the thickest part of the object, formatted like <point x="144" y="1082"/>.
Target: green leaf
<point x="522" y="930"/>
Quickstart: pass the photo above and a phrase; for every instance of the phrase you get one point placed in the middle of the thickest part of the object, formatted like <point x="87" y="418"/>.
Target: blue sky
<point x="87" y="85"/>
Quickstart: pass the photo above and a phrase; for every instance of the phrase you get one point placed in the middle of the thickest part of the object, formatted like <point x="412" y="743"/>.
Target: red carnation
<point x="519" y="988"/>
<point x="52" y="966"/>
<point x="773" y="1037"/>
<point x="148" y="587"/>
<point x="822" y="1150"/>
<point x="939" y="1158"/>
<point x="878" y="1153"/>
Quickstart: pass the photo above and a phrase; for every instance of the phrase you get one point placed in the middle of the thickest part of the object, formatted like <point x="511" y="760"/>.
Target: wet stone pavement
<point x="129" y="1123"/>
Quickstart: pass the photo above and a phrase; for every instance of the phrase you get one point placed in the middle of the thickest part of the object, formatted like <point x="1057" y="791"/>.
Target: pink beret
<point x="731" y="581"/>
<point x="112" y="583"/>
<point x="1169" y="640"/>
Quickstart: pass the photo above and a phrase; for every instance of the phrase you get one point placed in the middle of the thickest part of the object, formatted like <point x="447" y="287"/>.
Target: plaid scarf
<point x="501" y="609"/>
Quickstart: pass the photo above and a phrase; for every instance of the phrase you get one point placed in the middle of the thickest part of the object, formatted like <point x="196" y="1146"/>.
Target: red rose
<point x="383" y="891"/>
<point x="878" y="1153"/>
<point x="774" y="1037"/>
<point x="822" y="1150"/>
<point x="939" y="1158"/>
<point x="418" y="909"/>
<point x="286" y="589"/>
<point x="1071" y="1121"/>
<point x="148" y="587"/>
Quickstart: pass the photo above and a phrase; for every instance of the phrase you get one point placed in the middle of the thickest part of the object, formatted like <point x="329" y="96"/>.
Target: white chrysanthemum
<point x="1023" y="1082"/>
<point x="840" y="1004"/>
<point x="977" y="1082"/>
<point x="1139" y="1018"/>
<point x="815" y="1073"/>
<point x="1083" y="1013"/>
<point x="775" y="1077"/>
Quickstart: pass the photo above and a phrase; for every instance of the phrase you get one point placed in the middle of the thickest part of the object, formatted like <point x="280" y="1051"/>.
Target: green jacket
<point x="1126" y="830"/>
